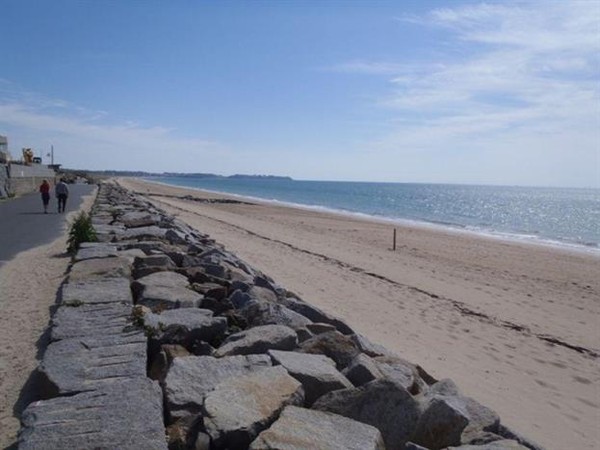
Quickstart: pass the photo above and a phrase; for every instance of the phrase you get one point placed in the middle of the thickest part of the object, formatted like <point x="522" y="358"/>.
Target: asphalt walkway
<point x="23" y="224"/>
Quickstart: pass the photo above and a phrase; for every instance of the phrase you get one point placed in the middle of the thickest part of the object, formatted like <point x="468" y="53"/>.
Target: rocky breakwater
<point x="164" y="339"/>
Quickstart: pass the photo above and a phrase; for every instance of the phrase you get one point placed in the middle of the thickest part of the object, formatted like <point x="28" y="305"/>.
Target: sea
<point x="556" y="216"/>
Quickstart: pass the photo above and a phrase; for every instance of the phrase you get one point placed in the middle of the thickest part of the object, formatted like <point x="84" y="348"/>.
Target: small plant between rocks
<point x="81" y="230"/>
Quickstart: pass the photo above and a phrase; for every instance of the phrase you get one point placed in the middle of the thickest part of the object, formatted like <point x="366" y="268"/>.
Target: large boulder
<point x="335" y="345"/>
<point x="190" y="378"/>
<point x="165" y="290"/>
<point x="136" y="219"/>
<point x="317" y="315"/>
<point x="481" y="418"/>
<point x="317" y="373"/>
<point x="100" y="319"/>
<point x="191" y="323"/>
<point x="108" y="290"/>
<point x="384" y="404"/>
<point x="441" y="424"/>
<point x="258" y="340"/>
<point x="362" y="369"/>
<point x="301" y="429"/>
<point x="398" y="369"/>
<point x="504" y="444"/>
<point x="143" y="233"/>
<point x="258" y="312"/>
<point x="125" y="414"/>
<point x="89" y="250"/>
<point x="100" y="268"/>
<point x="87" y="363"/>
<point x="238" y="409"/>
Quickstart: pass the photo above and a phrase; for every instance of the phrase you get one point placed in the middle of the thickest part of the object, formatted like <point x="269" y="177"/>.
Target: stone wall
<point x="4" y="181"/>
<point x="24" y="179"/>
<point x="164" y="339"/>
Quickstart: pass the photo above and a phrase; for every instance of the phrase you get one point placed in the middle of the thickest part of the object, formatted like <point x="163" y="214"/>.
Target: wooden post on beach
<point x="394" y="246"/>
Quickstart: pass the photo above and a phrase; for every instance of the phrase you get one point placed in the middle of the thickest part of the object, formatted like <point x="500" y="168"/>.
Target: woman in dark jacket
<point x="45" y="191"/>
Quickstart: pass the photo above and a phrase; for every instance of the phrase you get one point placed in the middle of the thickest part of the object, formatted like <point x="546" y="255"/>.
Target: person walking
<point x="45" y="191"/>
<point x="62" y="193"/>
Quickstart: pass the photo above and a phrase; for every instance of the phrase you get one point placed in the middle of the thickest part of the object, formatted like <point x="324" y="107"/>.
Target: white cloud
<point x="524" y="74"/>
<point x="85" y="139"/>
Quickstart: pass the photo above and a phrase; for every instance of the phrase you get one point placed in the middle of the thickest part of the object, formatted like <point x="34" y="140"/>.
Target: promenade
<point x="23" y="224"/>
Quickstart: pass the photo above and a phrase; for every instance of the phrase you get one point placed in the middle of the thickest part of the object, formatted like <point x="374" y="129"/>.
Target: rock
<point x="174" y="236"/>
<point x="317" y="373"/>
<point x="143" y="233"/>
<point x="370" y="348"/>
<point x="441" y="423"/>
<point x="181" y="435"/>
<point x="99" y="250"/>
<point x="316" y="315"/>
<point x="211" y="290"/>
<point x="504" y="444"/>
<point x="320" y="328"/>
<point x="214" y="270"/>
<point x="445" y="387"/>
<point x="216" y="306"/>
<point x="411" y="446"/>
<point x="384" y="404"/>
<point x="301" y="429"/>
<point x="303" y="334"/>
<point x="163" y="360"/>
<point x="136" y="219"/>
<point x="202" y="442"/>
<point x="189" y="379"/>
<point x="361" y="370"/>
<point x="263" y="294"/>
<point x="109" y="290"/>
<point x="88" y="363"/>
<point x="124" y="414"/>
<point x="100" y="268"/>
<point x="162" y="262"/>
<point x="238" y="409"/>
<point x="165" y="290"/>
<point x="258" y="340"/>
<point x="264" y="282"/>
<point x="400" y="370"/>
<point x="481" y="418"/>
<point x="89" y="320"/>
<point x="264" y="313"/>
<point x="131" y="254"/>
<point x="148" y="246"/>
<point x="196" y="323"/>
<point x="239" y="299"/>
<point x="335" y="345"/>
<point x="509" y="434"/>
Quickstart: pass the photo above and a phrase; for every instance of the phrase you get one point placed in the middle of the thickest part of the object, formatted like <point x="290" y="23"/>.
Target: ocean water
<point x="566" y="216"/>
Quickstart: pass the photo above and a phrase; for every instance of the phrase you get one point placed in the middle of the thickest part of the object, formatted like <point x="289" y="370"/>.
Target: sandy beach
<point x="515" y="325"/>
<point x="29" y="284"/>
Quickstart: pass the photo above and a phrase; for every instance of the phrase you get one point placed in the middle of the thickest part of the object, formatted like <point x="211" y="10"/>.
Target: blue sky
<point x="415" y="91"/>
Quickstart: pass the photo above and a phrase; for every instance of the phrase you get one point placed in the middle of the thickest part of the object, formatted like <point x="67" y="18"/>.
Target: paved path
<point x="23" y="224"/>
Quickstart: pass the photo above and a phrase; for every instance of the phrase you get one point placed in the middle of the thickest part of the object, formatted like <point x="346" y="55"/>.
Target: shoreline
<point x="592" y="249"/>
<point x="489" y="314"/>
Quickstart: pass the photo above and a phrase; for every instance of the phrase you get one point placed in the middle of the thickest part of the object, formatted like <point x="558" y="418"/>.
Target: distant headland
<point x="137" y="173"/>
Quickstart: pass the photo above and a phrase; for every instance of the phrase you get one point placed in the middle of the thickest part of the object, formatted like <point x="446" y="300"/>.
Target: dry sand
<point x="515" y="325"/>
<point x="28" y="287"/>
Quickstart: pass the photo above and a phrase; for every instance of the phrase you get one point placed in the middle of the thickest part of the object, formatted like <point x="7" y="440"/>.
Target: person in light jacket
<point x="62" y="193"/>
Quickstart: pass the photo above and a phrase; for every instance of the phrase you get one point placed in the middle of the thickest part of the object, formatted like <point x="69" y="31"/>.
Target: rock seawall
<point x="164" y="339"/>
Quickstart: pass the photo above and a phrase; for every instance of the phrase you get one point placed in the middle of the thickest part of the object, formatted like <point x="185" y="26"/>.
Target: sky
<point x="399" y="91"/>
